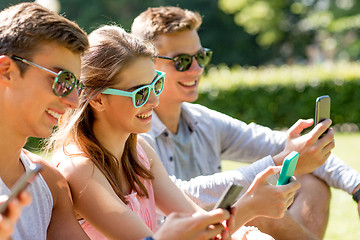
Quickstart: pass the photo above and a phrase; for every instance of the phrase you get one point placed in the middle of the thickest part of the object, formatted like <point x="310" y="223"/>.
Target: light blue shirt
<point x="193" y="156"/>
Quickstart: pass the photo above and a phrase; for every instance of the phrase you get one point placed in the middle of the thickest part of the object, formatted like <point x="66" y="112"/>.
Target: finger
<point x="327" y="138"/>
<point x="320" y="128"/>
<point x="14" y="210"/>
<point x="6" y="227"/>
<point x="211" y="218"/>
<point x="289" y="188"/>
<point x="213" y="231"/>
<point x="262" y="177"/>
<point x="289" y="202"/>
<point x="225" y="235"/>
<point x="299" y="126"/>
<point x="329" y="147"/>
<point x="25" y="198"/>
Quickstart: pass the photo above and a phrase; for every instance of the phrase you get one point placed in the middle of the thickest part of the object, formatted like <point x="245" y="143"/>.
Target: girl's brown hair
<point x="111" y="50"/>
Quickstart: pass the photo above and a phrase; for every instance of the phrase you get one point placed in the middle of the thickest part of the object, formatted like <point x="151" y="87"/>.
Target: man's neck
<point x="10" y="149"/>
<point x="169" y="114"/>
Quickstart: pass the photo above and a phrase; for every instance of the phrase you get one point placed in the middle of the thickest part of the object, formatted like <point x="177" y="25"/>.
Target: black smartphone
<point x="21" y="184"/>
<point x="229" y="196"/>
<point x="322" y="109"/>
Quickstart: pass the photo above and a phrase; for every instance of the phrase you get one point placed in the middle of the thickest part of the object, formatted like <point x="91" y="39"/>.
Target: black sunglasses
<point x="183" y="61"/>
<point x="64" y="83"/>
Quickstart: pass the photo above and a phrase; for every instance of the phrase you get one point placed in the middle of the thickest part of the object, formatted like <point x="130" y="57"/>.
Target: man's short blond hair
<point x="161" y="20"/>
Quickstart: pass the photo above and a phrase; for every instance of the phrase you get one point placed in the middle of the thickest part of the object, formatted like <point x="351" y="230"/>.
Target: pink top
<point x="142" y="206"/>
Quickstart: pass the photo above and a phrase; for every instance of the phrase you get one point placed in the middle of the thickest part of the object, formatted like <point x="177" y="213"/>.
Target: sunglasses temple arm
<point x="163" y="57"/>
<point x="38" y="66"/>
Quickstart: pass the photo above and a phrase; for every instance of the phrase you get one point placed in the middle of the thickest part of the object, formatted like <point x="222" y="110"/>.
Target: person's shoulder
<point x="73" y="165"/>
<point x="53" y="178"/>
<point x="147" y="148"/>
<point x="49" y="172"/>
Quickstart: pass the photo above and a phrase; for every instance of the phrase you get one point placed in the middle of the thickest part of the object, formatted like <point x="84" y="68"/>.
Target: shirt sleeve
<point x="239" y="141"/>
<point x="338" y="174"/>
<point x="206" y="190"/>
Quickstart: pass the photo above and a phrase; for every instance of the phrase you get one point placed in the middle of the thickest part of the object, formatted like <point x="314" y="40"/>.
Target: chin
<point x="42" y="134"/>
<point x="191" y="99"/>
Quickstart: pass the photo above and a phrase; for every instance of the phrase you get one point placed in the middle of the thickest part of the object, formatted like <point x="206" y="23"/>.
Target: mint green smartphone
<point x="288" y="168"/>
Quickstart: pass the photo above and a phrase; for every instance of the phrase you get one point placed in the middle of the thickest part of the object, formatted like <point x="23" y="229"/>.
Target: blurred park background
<point x="272" y="59"/>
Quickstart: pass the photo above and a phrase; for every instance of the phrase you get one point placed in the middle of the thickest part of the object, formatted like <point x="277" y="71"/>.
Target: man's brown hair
<point x="25" y="26"/>
<point x="161" y="20"/>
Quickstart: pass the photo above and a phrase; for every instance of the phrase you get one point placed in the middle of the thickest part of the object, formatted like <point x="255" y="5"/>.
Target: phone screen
<point x="322" y="110"/>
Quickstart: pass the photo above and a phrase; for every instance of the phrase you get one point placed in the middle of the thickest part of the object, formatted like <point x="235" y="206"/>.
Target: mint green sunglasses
<point x="141" y="95"/>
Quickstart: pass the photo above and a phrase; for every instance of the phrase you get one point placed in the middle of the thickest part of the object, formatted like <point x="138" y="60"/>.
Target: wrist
<point x="279" y="158"/>
<point x="356" y="189"/>
<point x="356" y="194"/>
<point x="245" y="209"/>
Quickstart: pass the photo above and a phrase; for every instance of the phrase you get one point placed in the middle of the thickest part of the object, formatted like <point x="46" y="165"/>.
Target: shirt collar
<point x="188" y="116"/>
<point x="158" y="126"/>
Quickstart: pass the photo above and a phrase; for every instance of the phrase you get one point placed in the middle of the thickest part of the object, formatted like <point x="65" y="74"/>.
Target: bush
<point x="278" y="96"/>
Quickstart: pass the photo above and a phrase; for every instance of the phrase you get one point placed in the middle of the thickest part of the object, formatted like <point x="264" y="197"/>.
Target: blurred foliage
<point x="246" y="32"/>
<point x="278" y="96"/>
<point x="231" y="44"/>
<point x="302" y="30"/>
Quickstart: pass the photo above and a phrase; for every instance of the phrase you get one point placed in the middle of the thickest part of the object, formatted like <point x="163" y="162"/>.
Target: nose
<point x="194" y="67"/>
<point x="153" y="99"/>
<point x="71" y="100"/>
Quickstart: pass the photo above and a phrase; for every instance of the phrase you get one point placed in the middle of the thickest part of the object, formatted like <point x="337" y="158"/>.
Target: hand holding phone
<point x="21" y="184"/>
<point x="288" y="168"/>
<point x="322" y="110"/>
<point x="228" y="197"/>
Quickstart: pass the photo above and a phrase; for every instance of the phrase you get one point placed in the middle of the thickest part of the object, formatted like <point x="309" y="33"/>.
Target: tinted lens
<point x="183" y="62"/>
<point x="141" y="96"/>
<point x="159" y="86"/>
<point x="64" y="83"/>
<point x="203" y="58"/>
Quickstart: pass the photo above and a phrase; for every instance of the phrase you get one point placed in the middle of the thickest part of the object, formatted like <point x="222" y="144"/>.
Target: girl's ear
<point x="97" y="103"/>
<point x="5" y="69"/>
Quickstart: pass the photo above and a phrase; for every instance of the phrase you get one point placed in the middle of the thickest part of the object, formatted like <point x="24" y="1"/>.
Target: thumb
<point x="299" y="126"/>
<point x="263" y="176"/>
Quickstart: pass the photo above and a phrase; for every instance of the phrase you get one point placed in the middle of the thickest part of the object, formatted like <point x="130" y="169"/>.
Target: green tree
<point x="311" y="30"/>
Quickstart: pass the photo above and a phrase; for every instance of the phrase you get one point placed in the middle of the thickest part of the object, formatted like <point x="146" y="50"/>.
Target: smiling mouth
<point x="188" y="84"/>
<point x="143" y="116"/>
<point x="53" y="114"/>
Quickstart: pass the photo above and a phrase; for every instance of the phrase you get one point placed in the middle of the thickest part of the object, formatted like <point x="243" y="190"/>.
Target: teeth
<point x="144" y="115"/>
<point x="189" y="83"/>
<point x="54" y="114"/>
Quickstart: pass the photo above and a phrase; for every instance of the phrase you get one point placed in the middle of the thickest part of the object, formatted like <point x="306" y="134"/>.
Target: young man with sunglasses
<point x="192" y="139"/>
<point x="39" y="66"/>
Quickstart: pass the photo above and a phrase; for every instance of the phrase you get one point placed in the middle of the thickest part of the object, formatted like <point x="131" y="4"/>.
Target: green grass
<point x="344" y="218"/>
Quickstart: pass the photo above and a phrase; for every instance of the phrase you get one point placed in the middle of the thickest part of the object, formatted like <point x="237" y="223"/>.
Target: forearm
<point x="339" y="175"/>
<point x="206" y="190"/>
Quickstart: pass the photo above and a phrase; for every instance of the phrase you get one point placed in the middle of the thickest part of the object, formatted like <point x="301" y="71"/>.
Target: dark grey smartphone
<point x="21" y="184"/>
<point x="229" y="196"/>
<point x="322" y="109"/>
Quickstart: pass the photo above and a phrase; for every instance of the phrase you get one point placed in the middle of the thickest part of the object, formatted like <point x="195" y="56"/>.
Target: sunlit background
<point x="272" y="59"/>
